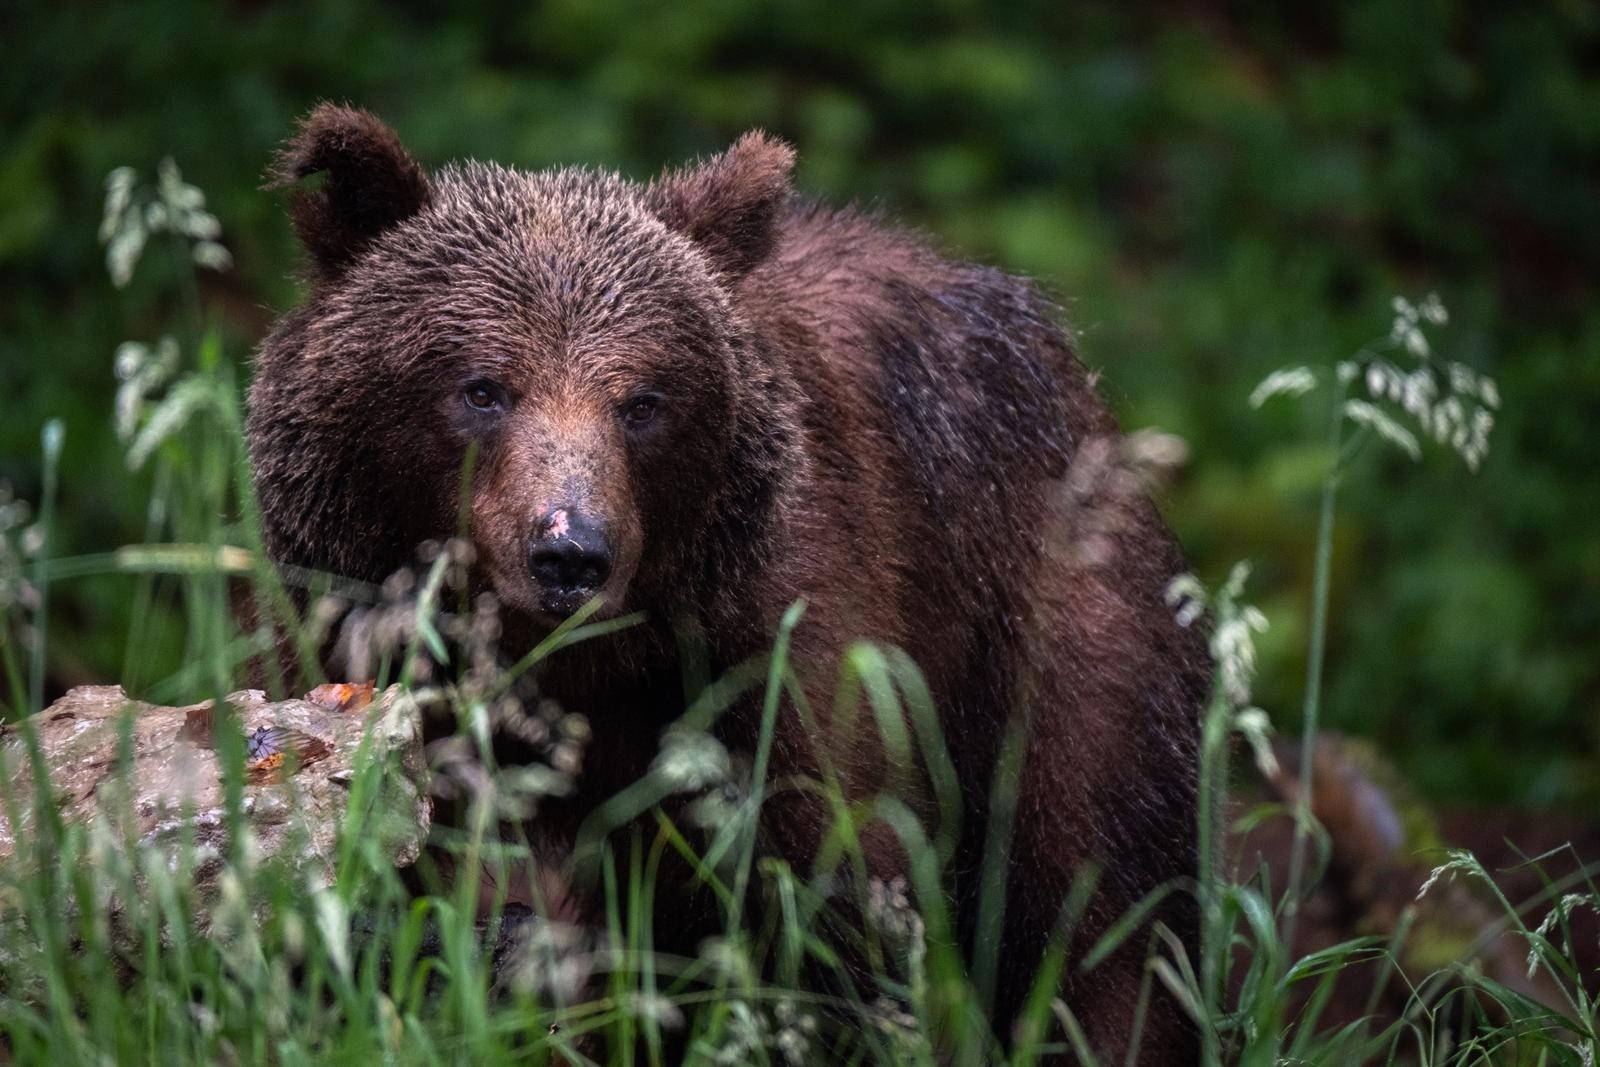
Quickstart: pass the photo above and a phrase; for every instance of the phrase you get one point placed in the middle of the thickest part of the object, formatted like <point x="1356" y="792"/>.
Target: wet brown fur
<point x="850" y="418"/>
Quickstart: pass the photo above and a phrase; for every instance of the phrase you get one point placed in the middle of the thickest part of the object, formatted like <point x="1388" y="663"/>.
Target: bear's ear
<point x="729" y="205"/>
<point x="372" y="183"/>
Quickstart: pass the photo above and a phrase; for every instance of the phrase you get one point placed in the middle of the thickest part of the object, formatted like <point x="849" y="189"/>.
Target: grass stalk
<point x="51" y="440"/>
<point x="1315" y="658"/>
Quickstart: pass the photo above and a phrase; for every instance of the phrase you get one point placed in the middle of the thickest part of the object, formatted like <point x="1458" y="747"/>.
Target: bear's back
<point x="963" y="365"/>
<point x="961" y="370"/>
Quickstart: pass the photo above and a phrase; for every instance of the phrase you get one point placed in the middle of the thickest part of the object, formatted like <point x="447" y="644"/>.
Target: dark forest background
<point x="1211" y="191"/>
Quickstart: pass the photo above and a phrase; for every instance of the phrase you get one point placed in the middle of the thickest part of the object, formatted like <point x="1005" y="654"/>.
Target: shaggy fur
<point x="841" y="415"/>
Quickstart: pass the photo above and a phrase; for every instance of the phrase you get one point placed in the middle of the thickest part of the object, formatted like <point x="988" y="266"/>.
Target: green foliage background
<point x="1211" y="190"/>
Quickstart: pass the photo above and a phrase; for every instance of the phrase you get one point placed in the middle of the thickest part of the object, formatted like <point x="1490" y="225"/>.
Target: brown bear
<point x="704" y="399"/>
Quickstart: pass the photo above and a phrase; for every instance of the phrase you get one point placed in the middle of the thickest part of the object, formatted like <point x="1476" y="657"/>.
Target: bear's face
<point x="556" y="331"/>
<point x="563" y="345"/>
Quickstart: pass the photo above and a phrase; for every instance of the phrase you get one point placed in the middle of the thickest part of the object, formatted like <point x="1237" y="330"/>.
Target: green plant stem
<point x="51" y="440"/>
<point x="145" y="589"/>
<point x="997" y="858"/>
<point x="758" y="773"/>
<point x="1314" y="667"/>
<point x="1212" y="804"/>
<point x="190" y="287"/>
<point x="18" y="684"/>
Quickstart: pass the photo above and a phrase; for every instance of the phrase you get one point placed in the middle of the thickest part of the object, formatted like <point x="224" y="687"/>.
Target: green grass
<point x="108" y="955"/>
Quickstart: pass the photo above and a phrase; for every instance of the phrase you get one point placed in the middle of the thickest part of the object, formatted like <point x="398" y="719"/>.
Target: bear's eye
<point x="482" y="396"/>
<point x="641" y="410"/>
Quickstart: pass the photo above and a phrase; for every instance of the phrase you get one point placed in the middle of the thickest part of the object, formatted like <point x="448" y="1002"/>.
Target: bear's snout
<point x="570" y="557"/>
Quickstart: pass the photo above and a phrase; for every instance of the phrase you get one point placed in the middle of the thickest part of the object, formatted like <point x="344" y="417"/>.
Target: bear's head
<point x="555" y="361"/>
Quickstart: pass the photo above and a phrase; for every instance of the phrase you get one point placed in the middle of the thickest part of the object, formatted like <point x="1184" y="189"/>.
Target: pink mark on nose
<point x="558" y="524"/>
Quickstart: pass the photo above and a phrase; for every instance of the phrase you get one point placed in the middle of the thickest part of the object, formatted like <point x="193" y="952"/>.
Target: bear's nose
<point x="569" y="554"/>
